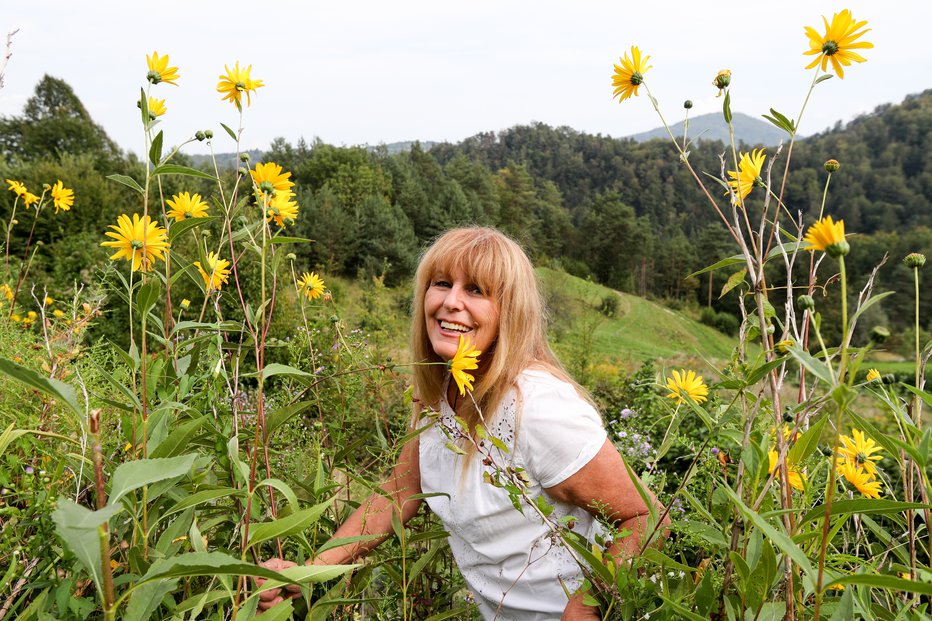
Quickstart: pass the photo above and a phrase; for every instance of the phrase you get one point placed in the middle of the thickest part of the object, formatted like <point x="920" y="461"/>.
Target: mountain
<point x="394" y="148"/>
<point x="749" y="130"/>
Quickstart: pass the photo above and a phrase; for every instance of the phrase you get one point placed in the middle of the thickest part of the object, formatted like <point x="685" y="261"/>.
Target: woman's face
<point x="455" y="306"/>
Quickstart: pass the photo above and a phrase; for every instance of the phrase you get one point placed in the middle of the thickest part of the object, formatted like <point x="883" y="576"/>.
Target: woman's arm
<point x="604" y="488"/>
<point x="372" y="517"/>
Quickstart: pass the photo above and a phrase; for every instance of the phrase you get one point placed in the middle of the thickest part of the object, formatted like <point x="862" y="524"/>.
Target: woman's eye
<point x="476" y="289"/>
<point x="442" y="283"/>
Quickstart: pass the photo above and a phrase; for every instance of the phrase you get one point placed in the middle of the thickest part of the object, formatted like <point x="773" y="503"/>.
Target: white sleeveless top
<point x="511" y="562"/>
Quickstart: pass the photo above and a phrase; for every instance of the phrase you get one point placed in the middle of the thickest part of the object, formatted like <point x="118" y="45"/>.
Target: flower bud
<point x="915" y="260"/>
<point x="873" y="375"/>
<point x="185" y="303"/>
<point x="831" y="166"/>
<point x="805" y="302"/>
<point x="208" y="133"/>
<point x="243" y="171"/>
<point x="688" y="104"/>
<point x="334" y="319"/>
<point x="328" y="297"/>
<point x="838" y="249"/>
<point x="291" y="256"/>
<point x="244" y="157"/>
<point x="879" y="334"/>
<point x="722" y="80"/>
<point x="199" y="135"/>
<point x="889" y="378"/>
<point x="783" y="346"/>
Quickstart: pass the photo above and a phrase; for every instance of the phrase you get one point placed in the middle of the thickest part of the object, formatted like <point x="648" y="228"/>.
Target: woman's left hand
<point x="576" y="610"/>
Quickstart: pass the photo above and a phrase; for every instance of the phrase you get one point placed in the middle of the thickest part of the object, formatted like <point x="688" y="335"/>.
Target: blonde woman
<point x="477" y="285"/>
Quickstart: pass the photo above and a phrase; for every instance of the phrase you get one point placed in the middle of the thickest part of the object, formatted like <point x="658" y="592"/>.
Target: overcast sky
<point x="355" y="72"/>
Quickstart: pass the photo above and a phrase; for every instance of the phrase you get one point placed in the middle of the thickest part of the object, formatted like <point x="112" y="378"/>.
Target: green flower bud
<point x="805" y="302"/>
<point x="832" y="166"/>
<point x="722" y="80"/>
<point x="244" y="157"/>
<point x="208" y="133"/>
<point x="889" y="378"/>
<point x="334" y="319"/>
<point x="291" y="256"/>
<point x="915" y="260"/>
<point x="688" y="104"/>
<point x="199" y="136"/>
<point x="838" y="249"/>
<point x="243" y="171"/>
<point x="879" y="334"/>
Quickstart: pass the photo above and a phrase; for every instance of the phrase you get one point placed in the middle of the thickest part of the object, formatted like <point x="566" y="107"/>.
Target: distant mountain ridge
<point x="706" y="127"/>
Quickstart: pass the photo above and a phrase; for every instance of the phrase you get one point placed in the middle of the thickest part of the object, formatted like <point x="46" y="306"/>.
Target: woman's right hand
<point x="270" y="598"/>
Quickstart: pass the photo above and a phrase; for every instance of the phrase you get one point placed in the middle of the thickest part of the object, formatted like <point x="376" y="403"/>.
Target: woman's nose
<point x="454" y="298"/>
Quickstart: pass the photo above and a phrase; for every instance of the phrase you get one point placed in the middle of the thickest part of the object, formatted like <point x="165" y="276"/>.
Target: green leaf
<point x="288" y="525"/>
<point x="148" y="295"/>
<point x="204" y="496"/>
<point x="817" y="368"/>
<point x="78" y="528"/>
<point x="823" y="78"/>
<point x="284" y="488"/>
<point x="127" y="181"/>
<point x="681" y="612"/>
<point x="456" y="613"/>
<point x="733" y="281"/>
<point x="883" y="581"/>
<point x="135" y="474"/>
<point x="336" y="542"/>
<point x="279" y="612"/>
<point x="177" y="228"/>
<point x="179" y="439"/>
<point x="155" y="150"/>
<point x="873" y="300"/>
<point x="808" y="442"/>
<point x="60" y="390"/>
<point x="422" y="562"/>
<point x="144" y="107"/>
<point x="845" y="608"/>
<point x="278" y="239"/>
<point x="283" y="369"/>
<point x="862" y="506"/>
<point x="726" y="107"/>
<point x="175" y="169"/>
<point x="280" y="416"/>
<point x="229" y="131"/>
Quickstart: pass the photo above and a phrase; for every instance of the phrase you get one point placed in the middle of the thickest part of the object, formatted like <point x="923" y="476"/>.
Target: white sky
<point x="354" y="72"/>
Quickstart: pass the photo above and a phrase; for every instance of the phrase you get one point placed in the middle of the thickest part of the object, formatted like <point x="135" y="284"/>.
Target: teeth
<point x="446" y="325"/>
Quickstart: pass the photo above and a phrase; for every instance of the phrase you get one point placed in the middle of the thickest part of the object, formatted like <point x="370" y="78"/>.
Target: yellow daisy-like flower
<point x="860" y="479"/>
<point x="630" y="74"/>
<point x="236" y="82"/>
<point x="465" y="359"/>
<point x="185" y="303"/>
<point x="722" y="80"/>
<point x="828" y="236"/>
<point x="742" y="182"/>
<point x="62" y="197"/>
<point x="186" y="205"/>
<point x="838" y="42"/>
<point x="873" y="375"/>
<point x="311" y="285"/>
<point x="859" y="451"/>
<point x="16" y="317"/>
<point x="30" y="199"/>
<point x="17" y="187"/>
<point x="140" y="240"/>
<point x="797" y="477"/>
<point x="270" y="178"/>
<point x="219" y="271"/>
<point x="159" y="71"/>
<point x="685" y="384"/>
<point x="282" y="209"/>
<point x="7" y="291"/>
<point x="156" y="107"/>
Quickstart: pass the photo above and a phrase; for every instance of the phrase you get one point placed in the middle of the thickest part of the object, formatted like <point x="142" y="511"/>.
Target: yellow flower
<point x="159" y="71"/>
<point x="156" y="107"/>
<point x="219" y="271"/>
<point x="784" y="345"/>
<point x="685" y="384"/>
<point x="140" y="240"/>
<point x="30" y="199"/>
<point x="282" y="209"/>
<point x="270" y="178"/>
<point x="7" y="291"/>
<point x="630" y="74"/>
<point x="722" y="80"/>
<point x="873" y="375"/>
<point x="59" y="313"/>
<point x="236" y="82"/>
<point x="859" y="451"/>
<point x="838" y="42"/>
<point x="184" y="206"/>
<point x="311" y="285"/>
<point x="62" y="197"/>
<point x="18" y="188"/>
<point x="49" y="300"/>
<point x="827" y="236"/>
<point x="797" y="478"/>
<point x="16" y="317"/>
<point x="465" y="359"/>
<point x="742" y="182"/>
<point x="185" y="303"/>
<point x="860" y="479"/>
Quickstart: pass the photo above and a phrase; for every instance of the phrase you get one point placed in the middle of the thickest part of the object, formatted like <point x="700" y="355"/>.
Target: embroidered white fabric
<point x="510" y="560"/>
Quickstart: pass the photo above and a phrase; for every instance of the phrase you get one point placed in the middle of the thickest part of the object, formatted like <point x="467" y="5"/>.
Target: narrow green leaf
<point x="845" y="608"/>
<point x="883" y="581"/>
<point x="284" y="488"/>
<point x="808" y="442"/>
<point x="148" y="295"/>
<point x="283" y="369"/>
<point x="179" y="438"/>
<point x="127" y="181"/>
<point x="229" y="131"/>
<point x="155" y="150"/>
<point x="77" y="526"/>
<point x="135" y="474"/>
<point x="862" y="506"/>
<point x="278" y="239"/>
<point x="280" y="416"/>
<point x="733" y="281"/>
<point x="288" y="525"/>
<point x="680" y="611"/>
<point x="342" y="541"/>
<point x="177" y="228"/>
<point x="204" y="496"/>
<point x="144" y="107"/>
<point x="726" y="107"/>
<point x="455" y="613"/>
<point x="422" y="562"/>
<point x="817" y="368"/>
<point x="175" y="169"/>
<point x="823" y="78"/>
<point x="873" y="300"/>
<point x="60" y="390"/>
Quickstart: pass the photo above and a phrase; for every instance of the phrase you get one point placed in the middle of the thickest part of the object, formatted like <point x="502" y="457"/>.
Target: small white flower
<point x="671" y="574"/>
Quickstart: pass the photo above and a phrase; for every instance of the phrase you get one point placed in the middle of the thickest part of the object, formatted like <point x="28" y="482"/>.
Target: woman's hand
<point x="576" y="610"/>
<point x="268" y="599"/>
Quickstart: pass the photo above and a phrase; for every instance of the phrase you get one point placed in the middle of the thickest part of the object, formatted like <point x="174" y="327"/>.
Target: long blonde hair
<point x="501" y="269"/>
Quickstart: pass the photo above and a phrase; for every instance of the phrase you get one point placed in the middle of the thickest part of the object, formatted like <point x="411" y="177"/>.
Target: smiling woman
<point x="476" y="289"/>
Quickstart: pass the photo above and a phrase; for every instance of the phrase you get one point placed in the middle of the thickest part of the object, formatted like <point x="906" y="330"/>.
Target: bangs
<point x="481" y="257"/>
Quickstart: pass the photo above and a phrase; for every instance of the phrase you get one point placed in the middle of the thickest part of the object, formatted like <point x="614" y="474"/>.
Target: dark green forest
<point x="623" y="213"/>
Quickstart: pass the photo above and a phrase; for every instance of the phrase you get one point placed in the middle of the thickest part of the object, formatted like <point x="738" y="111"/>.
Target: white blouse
<point x="511" y="561"/>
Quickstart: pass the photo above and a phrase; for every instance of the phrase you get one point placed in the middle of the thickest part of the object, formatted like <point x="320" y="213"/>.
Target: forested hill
<point x="885" y="182"/>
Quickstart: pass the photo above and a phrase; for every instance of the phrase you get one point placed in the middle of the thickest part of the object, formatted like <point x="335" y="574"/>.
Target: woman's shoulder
<point x="542" y="382"/>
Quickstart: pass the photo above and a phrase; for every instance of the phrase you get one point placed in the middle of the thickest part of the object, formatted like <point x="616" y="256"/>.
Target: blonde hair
<point x="501" y="269"/>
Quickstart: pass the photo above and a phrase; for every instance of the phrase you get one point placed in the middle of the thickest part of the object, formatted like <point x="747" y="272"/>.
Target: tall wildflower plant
<point x="819" y="487"/>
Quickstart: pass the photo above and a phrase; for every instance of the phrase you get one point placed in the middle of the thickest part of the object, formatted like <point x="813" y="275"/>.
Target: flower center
<point x="240" y="86"/>
<point x="829" y="48"/>
<point x="135" y="244"/>
<point x="154" y="76"/>
<point x="188" y="214"/>
<point x="860" y="458"/>
<point x="636" y="78"/>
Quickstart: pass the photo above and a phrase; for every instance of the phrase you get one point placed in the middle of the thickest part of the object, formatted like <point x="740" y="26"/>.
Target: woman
<point x="476" y="286"/>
